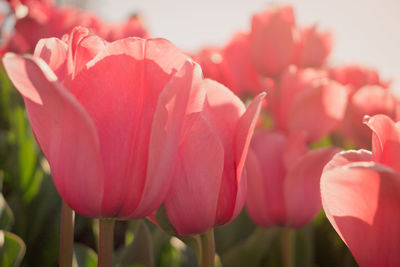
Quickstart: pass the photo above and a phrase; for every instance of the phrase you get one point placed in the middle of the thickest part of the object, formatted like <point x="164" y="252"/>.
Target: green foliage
<point x="12" y="249"/>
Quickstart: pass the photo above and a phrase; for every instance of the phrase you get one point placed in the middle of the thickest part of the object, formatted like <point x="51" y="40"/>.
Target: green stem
<point x="287" y="246"/>
<point x="66" y="235"/>
<point x="106" y="242"/>
<point x="207" y="249"/>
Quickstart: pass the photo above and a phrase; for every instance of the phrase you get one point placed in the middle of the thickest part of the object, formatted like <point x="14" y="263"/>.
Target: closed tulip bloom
<point x="209" y="186"/>
<point x="283" y="179"/>
<point x="273" y="40"/>
<point x="355" y="77"/>
<point x="369" y="100"/>
<point x="309" y="102"/>
<point x="360" y="195"/>
<point x="231" y="65"/>
<point x="108" y="117"/>
<point x="314" y="47"/>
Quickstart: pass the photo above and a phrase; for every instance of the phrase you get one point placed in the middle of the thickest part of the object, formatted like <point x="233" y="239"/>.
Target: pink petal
<point x="54" y="52"/>
<point x="302" y="186"/>
<point x="265" y="178"/>
<point x="191" y="204"/>
<point x="183" y="96"/>
<point x="385" y="140"/>
<point x="315" y="47"/>
<point x="361" y="200"/>
<point x="242" y="77"/>
<point x="292" y="82"/>
<point x="63" y="130"/>
<point x="244" y="133"/>
<point x="356" y="77"/>
<point x="120" y="88"/>
<point x="223" y="110"/>
<point x="295" y="148"/>
<point x="273" y="40"/>
<point x="318" y="110"/>
<point x="369" y="100"/>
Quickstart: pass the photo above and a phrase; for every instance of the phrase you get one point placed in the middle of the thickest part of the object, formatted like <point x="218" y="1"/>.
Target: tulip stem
<point x="66" y="236"/>
<point x="287" y="246"/>
<point x="106" y="242"/>
<point x="207" y="249"/>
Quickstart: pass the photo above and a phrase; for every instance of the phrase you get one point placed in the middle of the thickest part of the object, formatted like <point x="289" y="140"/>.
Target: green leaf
<point x="6" y="214"/>
<point x="84" y="256"/>
<point x="12" y="249"/>
<point x="140" y="251"/>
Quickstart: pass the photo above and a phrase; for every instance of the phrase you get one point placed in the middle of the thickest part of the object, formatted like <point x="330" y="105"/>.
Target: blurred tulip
<point x="273" y="40"/>
<point x="369" y="100"/>
<point x="283" y="179"/>
<point x="132" y="27"/>
<point x="308" y="102"/>
<point x="231" y="66"/>
<point x="360" y="195"/>
<point x="109" y="117"/>
<point x="314" y="47"/>
<point x="243" y="78"/>
<point x="355" y="77"/>
<point x="44" y="20"/>
<point x="209" y="186"/>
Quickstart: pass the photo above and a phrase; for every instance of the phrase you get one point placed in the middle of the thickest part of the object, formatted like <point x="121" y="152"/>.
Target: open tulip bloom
<point x="361" y="196"/>
<point x="118" y="120"/>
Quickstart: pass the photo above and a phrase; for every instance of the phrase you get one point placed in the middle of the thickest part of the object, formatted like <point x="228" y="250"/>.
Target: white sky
<point x="365" y="31"/>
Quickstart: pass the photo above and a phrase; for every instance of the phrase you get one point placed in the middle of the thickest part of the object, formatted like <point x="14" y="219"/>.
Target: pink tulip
<point x="360" y="195"/>
<point x="273" y="40"/>
<point x="44" y="20"/>
<point x="209" y="186"/>
<point x="283" y="179"/>
<point x="356" y="77"/>
<point x="314" y="47"/>
<point x="308" y="102"/>
<point x="243" y="78"/>
<point x="231" y="66"/>
<point x="369" y="100"/>
<point x="132" y="27"/>
<point x="108" y="117"/>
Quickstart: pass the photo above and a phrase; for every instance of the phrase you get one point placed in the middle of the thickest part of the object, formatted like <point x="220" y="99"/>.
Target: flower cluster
<point x="132" y="129"/>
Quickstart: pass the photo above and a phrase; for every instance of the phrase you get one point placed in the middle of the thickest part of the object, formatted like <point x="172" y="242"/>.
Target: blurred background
<point x="365" y="31"/>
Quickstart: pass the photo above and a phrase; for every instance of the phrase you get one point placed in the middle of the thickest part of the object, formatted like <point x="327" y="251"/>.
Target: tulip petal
<point x="191" y="204"/>
<point x="265" y="178"/>
<point x="223" y="110"/>
<point x="361" y="200"/>
<point x="54" y="52"/>
<point x="318" y="110"/>
<point x="369" y="100"/>
<point x="273" y="40"/>
<point x="385" y="140"/>
<point x="302" y="186"/>
<point x="119" y="89"/>
<point x="63" y="130"/>
<point x="244" y="133"/>
<point x="183" y="95"/>
<point x="292" y="82"/>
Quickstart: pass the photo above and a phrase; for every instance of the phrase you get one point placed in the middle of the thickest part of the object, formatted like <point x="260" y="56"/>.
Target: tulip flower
<point x="369" y="100"/>
<point x="209" y="186"/>
<point x="273" y="40"/>
<point x="231" y="65"/>
<point x="308" y="102"/>
<point x="314" y="47"/>
<point x="360" y="196"/>
<point x="283" y="179"/>
<point x="355" y="77"/>
<point x="44" y="20"/>
<point x="108" y="117"/>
